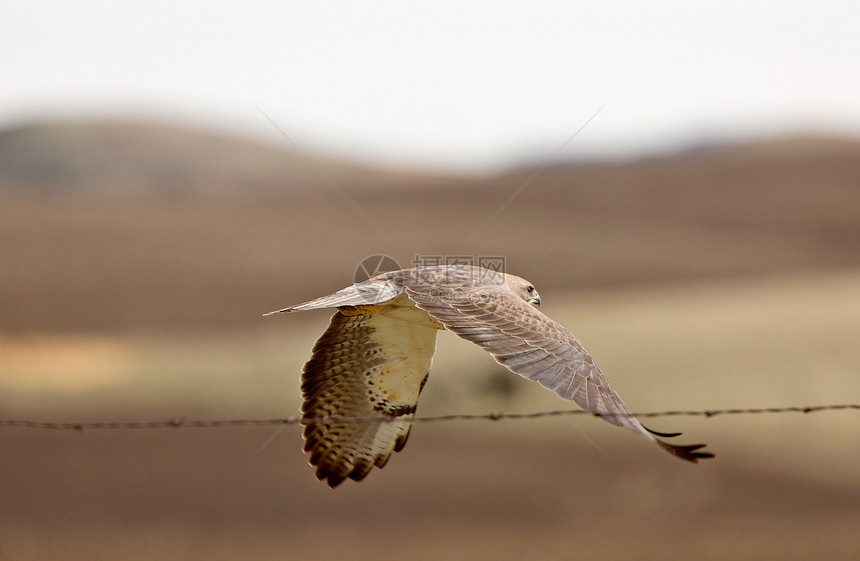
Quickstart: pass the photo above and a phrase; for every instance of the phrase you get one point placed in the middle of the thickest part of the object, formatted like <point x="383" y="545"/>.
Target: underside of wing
<point x="371" y="363"/>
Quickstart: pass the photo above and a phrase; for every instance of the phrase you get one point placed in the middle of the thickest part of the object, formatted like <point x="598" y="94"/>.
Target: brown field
<point x="716" y="279"/>
<point x="111" y="241"/>
<point x="782" y="486"/>
<point x="480" y="495"/>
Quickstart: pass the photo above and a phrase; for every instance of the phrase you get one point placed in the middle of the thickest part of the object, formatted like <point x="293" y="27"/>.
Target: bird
<point x="373" y="360"/>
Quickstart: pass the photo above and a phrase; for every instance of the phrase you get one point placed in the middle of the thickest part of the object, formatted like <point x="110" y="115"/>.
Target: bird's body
<point x="375" y="356"/>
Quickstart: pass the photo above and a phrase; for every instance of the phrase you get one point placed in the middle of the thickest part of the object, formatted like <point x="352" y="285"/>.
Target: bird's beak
<point x="535" y="301"/>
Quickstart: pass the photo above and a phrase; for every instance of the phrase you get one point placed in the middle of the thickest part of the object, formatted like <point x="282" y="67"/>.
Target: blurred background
<point x="680" y="182"/>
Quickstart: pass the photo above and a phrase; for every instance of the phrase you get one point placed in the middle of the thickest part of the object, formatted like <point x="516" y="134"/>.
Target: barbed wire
<point x="180" y="422"/>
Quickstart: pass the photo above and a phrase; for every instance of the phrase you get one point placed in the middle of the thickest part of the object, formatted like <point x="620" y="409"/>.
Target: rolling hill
<point x="123" y="225"/>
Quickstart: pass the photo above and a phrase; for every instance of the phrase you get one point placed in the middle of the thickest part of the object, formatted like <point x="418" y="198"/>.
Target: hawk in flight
<point x="374" y="358"/>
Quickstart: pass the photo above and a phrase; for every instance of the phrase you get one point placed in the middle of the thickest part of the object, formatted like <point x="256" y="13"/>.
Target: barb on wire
<point x="178" y="422"/>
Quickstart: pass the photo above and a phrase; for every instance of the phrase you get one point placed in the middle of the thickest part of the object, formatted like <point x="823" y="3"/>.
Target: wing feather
<point x="374" y="358"/>
<point x="369" y="292"/>
<point x="529" y="346"/>
<point x="368" y="364"/>
<point x="525" y="341"/>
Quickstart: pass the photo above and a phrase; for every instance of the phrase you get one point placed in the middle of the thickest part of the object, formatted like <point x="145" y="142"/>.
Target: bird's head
<point x="524" y="289"/>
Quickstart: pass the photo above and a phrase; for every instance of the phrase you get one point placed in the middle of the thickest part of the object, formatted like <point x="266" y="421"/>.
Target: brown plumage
<point x="374" y="358"/>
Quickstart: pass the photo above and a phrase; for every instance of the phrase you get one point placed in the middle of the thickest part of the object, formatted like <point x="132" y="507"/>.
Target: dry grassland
<point x="782" y="486"/>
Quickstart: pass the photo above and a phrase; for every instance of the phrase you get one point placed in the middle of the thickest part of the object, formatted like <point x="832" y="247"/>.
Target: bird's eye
<point x="530" y="288"/>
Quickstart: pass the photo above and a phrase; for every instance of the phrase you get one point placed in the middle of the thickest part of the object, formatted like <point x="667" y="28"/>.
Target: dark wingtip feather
<point x="663" y="434"/>
<point x="687" y="452"/>
<point x="330" y="478"/>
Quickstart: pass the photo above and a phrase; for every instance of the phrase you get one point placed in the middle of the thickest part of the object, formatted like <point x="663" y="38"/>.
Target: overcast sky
<point x="464" y="85"/>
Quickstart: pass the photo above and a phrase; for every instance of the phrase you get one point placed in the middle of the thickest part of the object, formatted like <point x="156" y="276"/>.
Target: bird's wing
<point x="371" y="363"/>
<point x="526" y="342"/>
<point x="374" y="291"/>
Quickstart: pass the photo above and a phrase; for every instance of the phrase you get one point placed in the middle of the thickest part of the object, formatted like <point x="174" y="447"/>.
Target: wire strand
<point x="180" y="422"/>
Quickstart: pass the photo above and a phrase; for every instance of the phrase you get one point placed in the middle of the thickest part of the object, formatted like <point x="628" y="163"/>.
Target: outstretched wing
<point x="374" y="291"/>
<point x="371" y="362"/>
<point x="521" y="338"/>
